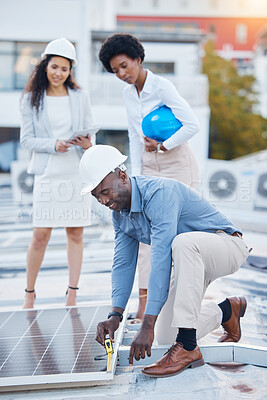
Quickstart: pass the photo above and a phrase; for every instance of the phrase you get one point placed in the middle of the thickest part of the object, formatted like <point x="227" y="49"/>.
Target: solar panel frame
<point x="46" y="343"/>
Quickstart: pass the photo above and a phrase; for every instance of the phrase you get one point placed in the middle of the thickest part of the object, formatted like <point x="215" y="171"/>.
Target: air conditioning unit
<point x="226" y="185"/>
<point x="22" y="182"/>
<point x="260" y="200"/>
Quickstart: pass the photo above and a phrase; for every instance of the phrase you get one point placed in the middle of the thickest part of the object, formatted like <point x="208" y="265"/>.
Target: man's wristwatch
<point x="115" y="314"/>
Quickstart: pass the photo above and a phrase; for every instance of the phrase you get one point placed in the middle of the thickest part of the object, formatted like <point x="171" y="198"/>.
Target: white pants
<point x="178" y="163"/>
<point x="198" y="259"/>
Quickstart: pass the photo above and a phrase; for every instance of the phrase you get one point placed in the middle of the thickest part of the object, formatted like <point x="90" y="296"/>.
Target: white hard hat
<point x="61" y="47"/>
<point x="96" y="163"/>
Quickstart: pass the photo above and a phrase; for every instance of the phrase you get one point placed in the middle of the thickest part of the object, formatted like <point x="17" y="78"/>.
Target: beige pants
<point x="198" y="259"/>
<point x="178" y="163"/>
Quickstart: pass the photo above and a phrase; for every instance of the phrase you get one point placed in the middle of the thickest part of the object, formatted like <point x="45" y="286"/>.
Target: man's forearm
<point x="149" y="321"/>
<point x="118" y="309"/>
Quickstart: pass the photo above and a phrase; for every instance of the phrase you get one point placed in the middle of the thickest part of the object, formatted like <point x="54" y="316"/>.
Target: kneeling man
<point x="192" y="244"/>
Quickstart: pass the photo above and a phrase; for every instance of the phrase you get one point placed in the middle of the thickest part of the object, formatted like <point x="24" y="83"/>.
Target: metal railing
<point x="107" y="89"/>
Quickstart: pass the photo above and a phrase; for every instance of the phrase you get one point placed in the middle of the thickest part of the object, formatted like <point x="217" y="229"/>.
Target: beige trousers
<point x="198" y="259"/>
<point x="178" y="163"/>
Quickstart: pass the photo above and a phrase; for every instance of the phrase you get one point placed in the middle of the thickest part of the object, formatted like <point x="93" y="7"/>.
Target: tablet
<point x="85" y="132"/>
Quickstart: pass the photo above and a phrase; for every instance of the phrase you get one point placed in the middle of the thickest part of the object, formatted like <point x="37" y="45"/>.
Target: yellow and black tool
<point x="109" y="350"/>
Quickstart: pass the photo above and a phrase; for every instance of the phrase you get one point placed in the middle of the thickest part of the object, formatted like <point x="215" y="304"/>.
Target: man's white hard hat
<point x="96" y="163"/>
<point x="61" y="47"/>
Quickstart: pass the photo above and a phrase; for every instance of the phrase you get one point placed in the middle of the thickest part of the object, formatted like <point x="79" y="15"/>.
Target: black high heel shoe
<point x="71" y="287"/>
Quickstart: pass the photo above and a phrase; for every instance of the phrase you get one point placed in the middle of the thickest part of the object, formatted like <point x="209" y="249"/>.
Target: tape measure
<point x="109" y="350"/>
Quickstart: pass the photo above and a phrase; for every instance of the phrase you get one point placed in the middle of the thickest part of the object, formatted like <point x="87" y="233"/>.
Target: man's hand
<point x="82" y="141"/>
<point x="107" y="327"/>
<point x="142" y="342"/>
<point x="150" y="144"/>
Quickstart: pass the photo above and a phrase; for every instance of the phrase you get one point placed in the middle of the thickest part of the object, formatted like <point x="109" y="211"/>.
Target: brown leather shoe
<point x="174" y="361"/>
<point x="232" y="330"/>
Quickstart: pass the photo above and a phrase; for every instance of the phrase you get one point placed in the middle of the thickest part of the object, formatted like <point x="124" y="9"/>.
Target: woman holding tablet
<point x="123" y="54"/>
<point x="53" y="109"/>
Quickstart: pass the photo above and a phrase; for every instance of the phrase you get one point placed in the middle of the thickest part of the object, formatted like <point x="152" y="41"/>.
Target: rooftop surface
<point x="212" y="381"/>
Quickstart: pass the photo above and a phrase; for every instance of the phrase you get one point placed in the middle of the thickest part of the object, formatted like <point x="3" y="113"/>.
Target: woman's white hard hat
<point x="96" y="163"/>
<point x="63" y="48"/>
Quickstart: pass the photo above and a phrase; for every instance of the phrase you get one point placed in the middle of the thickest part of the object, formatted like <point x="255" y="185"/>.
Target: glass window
<point x="160" y="68"/>
<point x="17" y="60"/>
<point x="156" y="26"/>
<point x="118" y="139"/>
<point x="9" y="142"/>
<point x="7" y="47"/>
<point x="241" y="33"/>
<point x="6" y="75"/>
<point x="168" y="27"/>
<point x="27" y="56"/>
<point x="7" y="52"/>
<point x="212" y="28"/>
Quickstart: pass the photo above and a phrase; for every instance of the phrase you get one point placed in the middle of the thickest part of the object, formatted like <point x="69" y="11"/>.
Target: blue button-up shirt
<point x="160" y="210"/>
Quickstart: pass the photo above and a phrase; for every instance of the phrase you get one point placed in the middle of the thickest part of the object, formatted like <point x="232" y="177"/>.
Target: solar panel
<point x="53" y="346"/>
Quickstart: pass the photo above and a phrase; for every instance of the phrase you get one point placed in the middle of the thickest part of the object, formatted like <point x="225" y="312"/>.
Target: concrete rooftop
<point x="232" y="381"/>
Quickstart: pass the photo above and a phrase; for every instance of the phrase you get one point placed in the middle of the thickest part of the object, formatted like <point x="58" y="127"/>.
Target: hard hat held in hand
<point x="160" y="124"/>
<point x="63" y="48"/>
<point x="96" y="163"/>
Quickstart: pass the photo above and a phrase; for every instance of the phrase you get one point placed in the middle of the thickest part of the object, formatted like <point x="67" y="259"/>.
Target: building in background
<point x="233" y="25"/>
<point x="172" y="31"/>
<point x="238" y="29"/>
<point x="25" y="29"/>
<point x="260" y="69"/>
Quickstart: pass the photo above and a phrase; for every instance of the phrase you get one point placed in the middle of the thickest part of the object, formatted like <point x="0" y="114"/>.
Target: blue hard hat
<point x="160" y="124"/>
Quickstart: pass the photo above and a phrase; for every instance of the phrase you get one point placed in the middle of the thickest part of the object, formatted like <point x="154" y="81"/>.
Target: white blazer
<point x="36" y="133"/>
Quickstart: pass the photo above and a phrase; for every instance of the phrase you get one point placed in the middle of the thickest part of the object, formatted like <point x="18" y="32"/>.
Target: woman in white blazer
<point x="53" y="108"/>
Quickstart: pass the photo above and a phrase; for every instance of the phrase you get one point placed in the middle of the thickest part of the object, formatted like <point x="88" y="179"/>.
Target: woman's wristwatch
<point x="158" y="148"/>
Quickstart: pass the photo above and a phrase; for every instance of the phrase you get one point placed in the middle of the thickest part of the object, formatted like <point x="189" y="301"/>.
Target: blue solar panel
<point x="50" y="342"/>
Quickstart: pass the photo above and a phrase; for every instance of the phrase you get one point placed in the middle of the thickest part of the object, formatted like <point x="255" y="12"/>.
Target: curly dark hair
<point x="120" y="43"/>
<point x="38" y="82"/>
